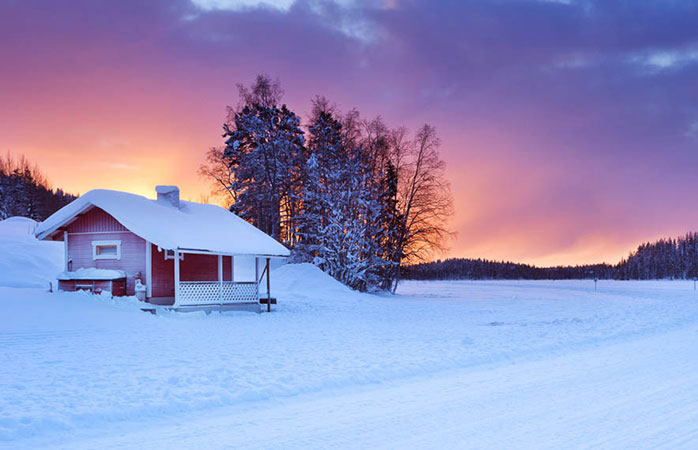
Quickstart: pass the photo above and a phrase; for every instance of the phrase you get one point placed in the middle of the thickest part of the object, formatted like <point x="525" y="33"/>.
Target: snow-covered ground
<point x="441" y="365"/>
<point x="24" y="261"/>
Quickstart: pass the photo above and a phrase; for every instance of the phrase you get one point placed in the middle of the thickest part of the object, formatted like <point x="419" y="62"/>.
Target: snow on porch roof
<point x="192" y="226"/>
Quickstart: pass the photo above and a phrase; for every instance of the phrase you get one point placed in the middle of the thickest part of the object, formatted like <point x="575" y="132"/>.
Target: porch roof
<point x="191" y="226"/>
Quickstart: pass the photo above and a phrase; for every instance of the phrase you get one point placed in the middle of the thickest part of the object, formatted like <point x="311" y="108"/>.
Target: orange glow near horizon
<point x="551" y="160"/>
<point x="133" y="154"/>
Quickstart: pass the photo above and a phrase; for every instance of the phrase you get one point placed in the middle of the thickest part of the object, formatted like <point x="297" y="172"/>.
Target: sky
<point x="569" y="128"/>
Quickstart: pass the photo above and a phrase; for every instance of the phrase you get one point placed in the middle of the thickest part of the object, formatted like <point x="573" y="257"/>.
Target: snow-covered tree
<point x="25" y="191"/>
<point x="264" y="147"/>
<point x="358" y="201"/>
<point x="321" y="178"/>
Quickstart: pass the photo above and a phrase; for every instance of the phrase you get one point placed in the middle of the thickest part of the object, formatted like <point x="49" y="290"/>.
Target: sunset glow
<point x="569" y="136"/>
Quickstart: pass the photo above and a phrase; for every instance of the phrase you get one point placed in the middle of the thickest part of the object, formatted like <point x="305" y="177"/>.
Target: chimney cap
<point x="168" y="195"/>
<point x="165" y="189"/>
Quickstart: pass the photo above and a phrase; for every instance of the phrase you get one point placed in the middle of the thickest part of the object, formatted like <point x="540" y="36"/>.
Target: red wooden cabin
<point x="185" y="254"/>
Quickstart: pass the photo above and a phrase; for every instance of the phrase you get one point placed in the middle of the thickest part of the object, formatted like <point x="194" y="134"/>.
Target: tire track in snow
<point x="636" y="394"/>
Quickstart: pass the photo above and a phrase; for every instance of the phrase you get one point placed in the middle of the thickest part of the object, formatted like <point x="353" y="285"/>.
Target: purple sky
<point x="570" y="128"/>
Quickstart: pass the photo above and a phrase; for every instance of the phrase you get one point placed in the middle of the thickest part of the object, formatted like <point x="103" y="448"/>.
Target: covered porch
<point x="187" y="279"/>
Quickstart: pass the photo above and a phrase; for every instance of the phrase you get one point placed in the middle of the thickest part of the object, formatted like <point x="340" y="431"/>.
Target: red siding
<point x="163" y="275"/>
<point x="97" y="225"/>
<point x="199" y="268"/>
<point x="132" y="255"/>
<point x="227" y="268"/>
<point x="117" y="288"/>
<point x="191" y="268"/>
<point x="94" y="220"/>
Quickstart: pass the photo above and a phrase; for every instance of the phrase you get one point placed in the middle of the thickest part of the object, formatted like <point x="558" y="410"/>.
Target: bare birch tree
<point x="220" y="175"/>
<point x="424" y="196"/>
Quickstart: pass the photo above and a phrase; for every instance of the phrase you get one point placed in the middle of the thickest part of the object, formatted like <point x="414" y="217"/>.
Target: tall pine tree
<point x="264" y="147"/>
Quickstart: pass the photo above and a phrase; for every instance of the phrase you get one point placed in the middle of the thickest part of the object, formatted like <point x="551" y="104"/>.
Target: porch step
<point x="263" y="301"/>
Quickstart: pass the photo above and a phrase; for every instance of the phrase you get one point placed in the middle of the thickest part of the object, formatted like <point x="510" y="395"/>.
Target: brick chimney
<point x="168" y="195"/>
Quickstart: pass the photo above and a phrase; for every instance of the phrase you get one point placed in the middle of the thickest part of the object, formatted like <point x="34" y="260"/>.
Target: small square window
<point x="106" y="249"/>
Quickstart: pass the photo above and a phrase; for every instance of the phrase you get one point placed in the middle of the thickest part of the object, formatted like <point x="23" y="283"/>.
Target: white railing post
<point x="220" y="279"/>
<point x="256" y="278"/>
<point x="268" y="288"/>
<point x="148" y="269"/>
<point x="65" y="241"/>
<point x="176" y="277"/>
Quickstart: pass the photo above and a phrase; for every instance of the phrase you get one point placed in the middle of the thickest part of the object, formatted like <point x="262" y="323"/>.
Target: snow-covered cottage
<point x="177" y="253"/>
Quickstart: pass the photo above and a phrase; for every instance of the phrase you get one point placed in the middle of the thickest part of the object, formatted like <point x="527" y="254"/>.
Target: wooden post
<point x="268" y="291"/>
<point x="148" y="269"/>
<point x="256" y="277"/>
<point x="176" y="277"/>
<point x="65" y="241"/>
<point x="220" y="279"/>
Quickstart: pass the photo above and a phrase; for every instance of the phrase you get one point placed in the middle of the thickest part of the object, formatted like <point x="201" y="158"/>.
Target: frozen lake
<point x="499" y="364"/>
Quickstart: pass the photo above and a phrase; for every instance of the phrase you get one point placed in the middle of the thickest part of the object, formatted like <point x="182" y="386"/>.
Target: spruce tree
<point x="264" y="145"/>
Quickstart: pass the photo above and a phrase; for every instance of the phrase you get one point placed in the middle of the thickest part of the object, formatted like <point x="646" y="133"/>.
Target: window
<point x="106" y="249"/>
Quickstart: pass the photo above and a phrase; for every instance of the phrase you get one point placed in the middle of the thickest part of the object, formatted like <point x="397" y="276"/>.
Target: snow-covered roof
<point x="191" y="226"/>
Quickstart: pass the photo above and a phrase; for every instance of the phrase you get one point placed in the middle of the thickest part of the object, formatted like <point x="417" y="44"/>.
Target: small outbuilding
<point x="177" y="253"/>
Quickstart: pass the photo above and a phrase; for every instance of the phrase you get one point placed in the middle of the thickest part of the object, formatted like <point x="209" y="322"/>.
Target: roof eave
<point x="214" y="252"/>
<point x="46" y="233"/>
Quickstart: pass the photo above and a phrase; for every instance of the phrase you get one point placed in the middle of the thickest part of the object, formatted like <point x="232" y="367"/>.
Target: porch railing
<point x="200" y="293"/>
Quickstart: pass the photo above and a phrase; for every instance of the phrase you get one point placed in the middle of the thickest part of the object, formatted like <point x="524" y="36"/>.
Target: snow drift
<point x="305" y="280"/>
<point x="25" y="261"/>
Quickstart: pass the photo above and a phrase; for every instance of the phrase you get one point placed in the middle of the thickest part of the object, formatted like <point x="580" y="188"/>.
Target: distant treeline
<point x="662" y="259"/>
<point x="26" y="192"/>
<point x="483" y="269"/>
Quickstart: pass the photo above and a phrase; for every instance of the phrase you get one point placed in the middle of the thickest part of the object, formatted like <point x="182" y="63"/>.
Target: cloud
<point x="560" y="121"/>
<point x="242" y="5"/>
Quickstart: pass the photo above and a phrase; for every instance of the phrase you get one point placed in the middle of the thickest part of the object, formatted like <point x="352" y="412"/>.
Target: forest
<point x="663" y="259"/>
<point x="25" y="191"/>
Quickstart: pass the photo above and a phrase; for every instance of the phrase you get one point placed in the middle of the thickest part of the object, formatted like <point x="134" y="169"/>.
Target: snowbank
<point x="21" y="227"/>
<point x="507" y="359"/>
<point x="24" y="261"/>
<point x="92" y="274"/>
<point x="305" y="280"/>
<point x="75" y="366"/>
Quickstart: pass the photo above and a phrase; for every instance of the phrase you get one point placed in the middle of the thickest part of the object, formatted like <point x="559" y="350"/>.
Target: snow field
<point x="497" y="364"/>
<point x="72" y="362"/>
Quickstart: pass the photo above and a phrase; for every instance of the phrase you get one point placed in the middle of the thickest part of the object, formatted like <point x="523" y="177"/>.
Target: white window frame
<point x="96" y="244"/>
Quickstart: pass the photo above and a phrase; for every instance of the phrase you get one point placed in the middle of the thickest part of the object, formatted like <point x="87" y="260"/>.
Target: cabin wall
<point x="117" y="287"/>
<point x="97" y="225"/>
<point x="163" y="274"/>
<point x="192" y="268"/>
<point x="227" y="268"/>
<point x="198" y="268"/>
<point x="95" y="220"/>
